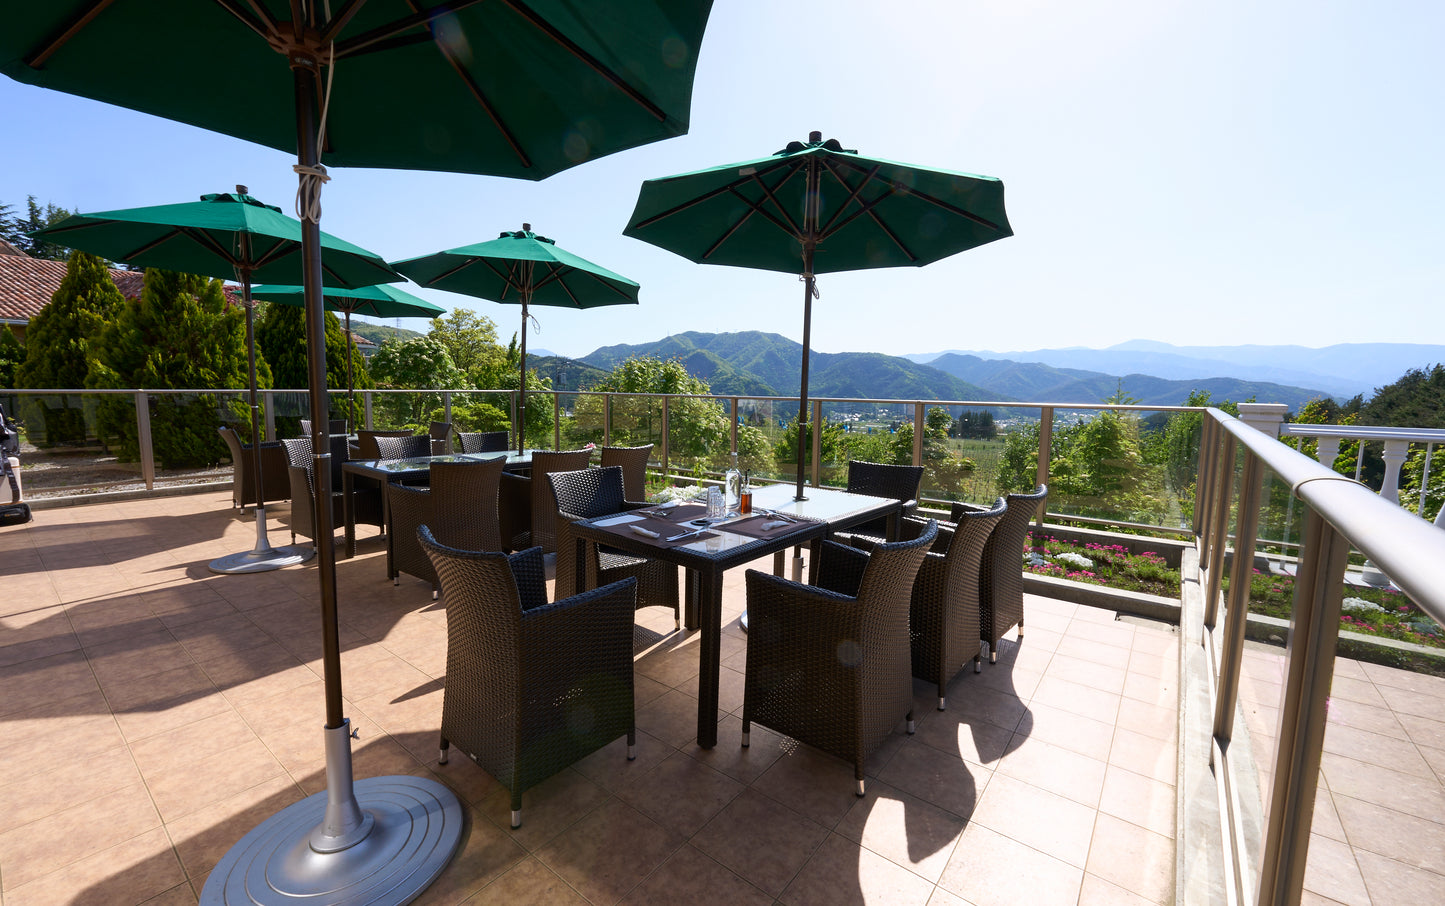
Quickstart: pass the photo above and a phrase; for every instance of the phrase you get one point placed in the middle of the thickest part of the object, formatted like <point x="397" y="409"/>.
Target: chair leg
<point x="632" y="744"/>
<point x="912" y="726"/>
<point x="747" y="728"/>
<point x="1021" y="627"/>
<point x="942" y="703"/>
<point x="858" y="775"/>
<point x="442" y="755"/>
<point x="978" y="663"/>
<point x="516" y="809"/>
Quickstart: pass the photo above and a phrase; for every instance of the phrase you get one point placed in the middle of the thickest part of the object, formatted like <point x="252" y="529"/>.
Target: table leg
<point x="348" y="488"/>
<point x="689" y="599"/>
<point x="710" y="655"/>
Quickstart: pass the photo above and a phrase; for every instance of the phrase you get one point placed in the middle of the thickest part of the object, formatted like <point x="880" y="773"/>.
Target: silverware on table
<point x="679" y="537"/>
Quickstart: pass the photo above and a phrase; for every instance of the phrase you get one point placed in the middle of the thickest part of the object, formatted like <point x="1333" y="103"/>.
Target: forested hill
<point x="754" y="363"/>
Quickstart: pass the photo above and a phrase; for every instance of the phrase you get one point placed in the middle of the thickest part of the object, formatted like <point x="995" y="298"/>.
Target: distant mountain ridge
<point x="1342" y="370"/>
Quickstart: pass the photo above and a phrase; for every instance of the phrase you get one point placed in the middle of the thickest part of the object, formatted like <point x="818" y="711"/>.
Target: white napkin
<point x="646" y="533"/>
<point x="775" y="523"/>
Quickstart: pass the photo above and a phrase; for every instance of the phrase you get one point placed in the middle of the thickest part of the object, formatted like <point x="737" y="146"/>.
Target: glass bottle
<point x="733" y="483"/>
<point x="745" y="499"/>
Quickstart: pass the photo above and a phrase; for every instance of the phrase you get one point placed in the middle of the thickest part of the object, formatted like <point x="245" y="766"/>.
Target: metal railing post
<point x="269" y="401"/>
<point x="733" y="419"/>
<point x="1237" y="612"/>
<point x="556" y="420"/>
<point x="447" y="407"/>
<point x="1046" y="443"/>
<point x="366" y="409"/>
<point x="1221" y="486"/>
<point x="919" y="419"/>
<point x="666" y="468"/>
<point x="1309" y="668"/>
<point x="143" y="437"/>
<point x="817" y="476"/>
<point x="606" y="419"/>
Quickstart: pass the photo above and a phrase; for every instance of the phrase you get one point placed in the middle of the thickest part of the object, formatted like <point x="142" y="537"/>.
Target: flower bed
<point x="1383" y="612"/>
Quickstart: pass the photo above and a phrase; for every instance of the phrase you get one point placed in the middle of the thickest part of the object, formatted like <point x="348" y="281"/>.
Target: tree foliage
<point x="14" y="227"/>
<point x="471" y="341"/>
<point x="58" y="344"/>
<point x="12" y="353"/>
<point x="698" y="428"/>
<point x="180" y="334"/>
<point x="281" y="339"/>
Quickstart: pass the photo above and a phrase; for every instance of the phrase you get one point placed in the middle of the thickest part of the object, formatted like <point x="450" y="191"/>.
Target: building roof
<point x="26" y="284"/>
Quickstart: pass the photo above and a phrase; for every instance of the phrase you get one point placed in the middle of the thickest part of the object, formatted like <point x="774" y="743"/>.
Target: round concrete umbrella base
<point x="385" y="844"/>
<point x="263" y="557"/>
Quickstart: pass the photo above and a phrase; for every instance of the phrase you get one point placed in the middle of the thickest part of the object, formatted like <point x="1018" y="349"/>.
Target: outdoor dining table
<point x="726" y="545"/>
<point x="403" y="470"/>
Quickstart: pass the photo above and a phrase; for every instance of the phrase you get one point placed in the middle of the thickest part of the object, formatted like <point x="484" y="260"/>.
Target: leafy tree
<point x="281" y="339"/>
<point x="12" y="353"/>
<point x="976" y="424"/>
<point x="508" y="376"/>
<point x="937" y="422"/>
<point x="14" y="227"/>
<point x="58" y="341"/>
<point x="1416" y="400"/>
<point x="181" y="333"/>
<point x="471" y="341"/>
<point x="698" y="428"/>
<point x="419" y="364"/>
<point x="834" y="450"/>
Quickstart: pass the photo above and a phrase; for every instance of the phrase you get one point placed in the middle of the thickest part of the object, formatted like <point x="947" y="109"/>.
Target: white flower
<point x="676" y="493"/>
<point x="1036" y="559"/>
<point x="1078" y="560"/>
<point x="1360" y="605"/>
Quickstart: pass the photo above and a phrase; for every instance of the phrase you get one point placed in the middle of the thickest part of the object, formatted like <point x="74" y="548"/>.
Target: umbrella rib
<point x="705" y="197"/>
<point x="827" y="229"/>
<point x="339" y="21"/>
<point x="64" y="33"/>
<point x="937" y="202"/>
<point x="592" y="62"/>
<point x="392" y="29"/>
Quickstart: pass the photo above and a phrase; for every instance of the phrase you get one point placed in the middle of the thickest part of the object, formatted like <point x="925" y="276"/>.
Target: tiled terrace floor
<point x="151" y="713"/>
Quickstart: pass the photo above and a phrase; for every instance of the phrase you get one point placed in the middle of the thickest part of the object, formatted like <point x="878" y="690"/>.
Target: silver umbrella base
<point x="260" y="561"/>
<point x="418" y="825"/>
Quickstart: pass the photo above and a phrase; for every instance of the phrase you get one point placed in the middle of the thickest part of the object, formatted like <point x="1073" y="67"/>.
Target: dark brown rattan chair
<point x="944" y="617"/>
<point x="1001" y="585"/>
<point x="460" y="507"/>
<point x="829" y="665"/>
<point x="275" y="484"/>
<point x="333" y="426"/>
<point x="633" y="461"/>
<point x="410" y="446"/>
<point x="529" y="516"/>
<point x="441" y="438"/>
<point x="304" y="485"/>
<point x="531" y="687"/>
<point x="882" y="480"/>
<point x="483" y="441"/>
<point x="366" y="442"/>
<point x="584" y="494"/>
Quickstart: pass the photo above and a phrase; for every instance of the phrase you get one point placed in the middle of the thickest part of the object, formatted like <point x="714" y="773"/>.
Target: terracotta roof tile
<point x="26" y="285"/>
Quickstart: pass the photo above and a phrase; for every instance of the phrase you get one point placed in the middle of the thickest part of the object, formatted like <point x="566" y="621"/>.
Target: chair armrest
<point x="530" y="572"/>
<point x="788" y="605"/>
<point x="913" y="526"/>
<point x="574" y="626"/>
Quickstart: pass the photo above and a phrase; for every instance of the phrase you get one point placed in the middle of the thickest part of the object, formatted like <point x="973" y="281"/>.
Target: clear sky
<point x="1197" y="173"/>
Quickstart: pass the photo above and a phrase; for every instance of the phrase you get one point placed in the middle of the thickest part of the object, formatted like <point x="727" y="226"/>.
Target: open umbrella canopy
<point x="815" y="208"/>
<point x="868" y="212"/>
<point x="229" y="235"/>
<point x="521" y="267"/>
<point x="380" y="301"/>
<point x="526" y="269"/>
<point x="498" y="88"/>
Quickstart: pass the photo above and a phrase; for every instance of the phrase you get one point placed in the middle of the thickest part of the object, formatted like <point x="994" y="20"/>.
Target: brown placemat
<point x="664" y="528"/>
<point x="678" y="514"/>
<point x="752" y="526"/>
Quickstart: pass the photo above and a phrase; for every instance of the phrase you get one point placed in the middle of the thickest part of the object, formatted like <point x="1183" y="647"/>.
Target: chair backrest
<point x="366" y="442"/>
<point x="465" y="504"/>
<point x="484" y="606"/>
<point x="440" y="431"/>
<point x="633" y="461"/>
<point x="334" y="426"/>
<point x="483" y="441"/>
<point x="971" y="534"/>
<point x="1005" y="546"/>
<point x="406" y="447"/>
<point x="544" y="507"/>
<point x="887" y="583"/>
<point x="881" y="480"/>
<point x="233" y="442"/>
<point x="588" y="492"/>
<point x="298" y="453"/>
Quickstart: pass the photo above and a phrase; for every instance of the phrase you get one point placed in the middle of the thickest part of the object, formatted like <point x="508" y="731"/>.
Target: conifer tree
<point x="12" y="353"/>
<point x="180" y="334"/>
<point x="57" y="345"/>
<point x="281" y="336"/>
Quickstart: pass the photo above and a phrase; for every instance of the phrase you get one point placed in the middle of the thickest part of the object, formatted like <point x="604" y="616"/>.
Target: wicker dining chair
<point x="303" y="484"/>
<point x="944" y="620"/>
<point x="410" y="446"/>
<point x="633" y="461"/>
<point x="275" y="484"/>
<point x="483" y="441"/>
<point x="531" y="687"/>
<point x="333" y="426"/>
<point x="460" y="507"/>
<point x="584" y="494"/>
<point x="1001" y="585"/>
<point x="877" y="479"/>
<point x="366" y="447"/>
<point x="529" y="515"/>
<point x="829" y="665"/>
<point x="441" y="438"/>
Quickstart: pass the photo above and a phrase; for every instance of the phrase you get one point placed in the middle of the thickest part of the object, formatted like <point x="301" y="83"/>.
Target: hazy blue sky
<point x="1198" y="173"/>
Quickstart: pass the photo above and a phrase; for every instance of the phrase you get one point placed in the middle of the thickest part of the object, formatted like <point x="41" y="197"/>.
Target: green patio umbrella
<point x="380" y="301"/>
<point x="814" y="208"/>
<point x="230" y="236"/>
<point x="504" y="88"/>
<point x="524" y="269"/>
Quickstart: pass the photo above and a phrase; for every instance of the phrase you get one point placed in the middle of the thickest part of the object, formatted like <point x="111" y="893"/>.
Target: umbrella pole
<point x="350" y="385"/>
<point x="810" y="242"/>
<point x="263" y="557"/>
<point x="327" y="848"/>
<point x="522" y="397"/>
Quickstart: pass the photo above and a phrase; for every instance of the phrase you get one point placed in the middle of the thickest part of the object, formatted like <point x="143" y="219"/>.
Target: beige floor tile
<point x="1397" y="883"/>
<point x="1132" y="857"/>
<point x="1145" y="755"/>
<point x="1406" y="793"/>
<point x="973" y="740"/>
<point x="133" y="871"/>
<point x="1096" y="891"/>
<point x="744" y="764"/>
<point x="671" y="717"/>
<point x="1373" y="748"/>
<point x="841" y="871"/>
<point x="680" y="793"/>
<point x="947" y="781"/>
<point x="1330" y="870"/>
<point x="69" y="781"/>
<point x="49" y="844"/>
<point x="1057" y="770"/>
<point x="811" y="783"/>
<point x="1139" y="800"/>
<point x="761" y="840"/>
<point x="1088" y="673"/>
<point x="204" y="836"/>
<point x="588" y="858"/>
<point x="1052" y="824"/>
<point x="689" y="876"/>
<point x="528" y="883"/>
<point x="1405" y="838"/>
<point x="904" y="829"/>
<point x="991" y="869"/>
<point x="486" y="855"/>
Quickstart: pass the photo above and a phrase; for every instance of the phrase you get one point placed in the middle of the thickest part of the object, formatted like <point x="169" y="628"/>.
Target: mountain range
<point x="755" y="363"/>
